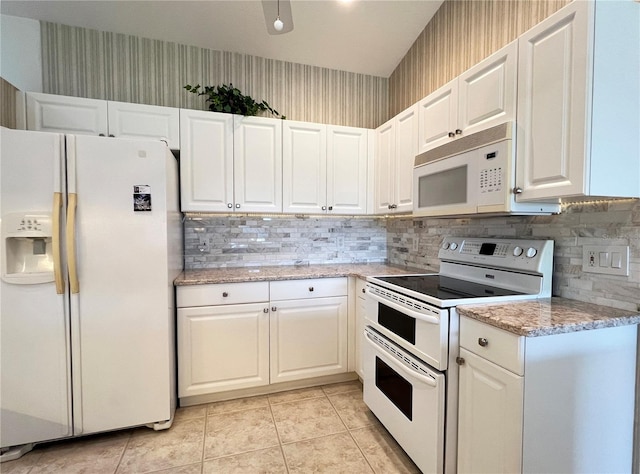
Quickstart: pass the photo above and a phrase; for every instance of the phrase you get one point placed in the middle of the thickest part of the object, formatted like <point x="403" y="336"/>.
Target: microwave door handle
<point x="409" y="312"/>
<point x="402" y="368"/>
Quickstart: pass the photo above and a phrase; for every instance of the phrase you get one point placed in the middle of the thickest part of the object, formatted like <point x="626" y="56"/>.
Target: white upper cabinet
<point x="257" y="164"/>
<point x="128" y="120"/>
<point x="77" y="115"/>
<point x="324" y="168"/>
<point x="62" y="114"/>
<point x="304" y="163"/>
<point x="206" y="161"/>
<point x="396" y="149"/>
<point x="481" y="97"/>
<point x="230" y="163"/>
<point x="348" y="157"/>
<point x="578" y="89"/>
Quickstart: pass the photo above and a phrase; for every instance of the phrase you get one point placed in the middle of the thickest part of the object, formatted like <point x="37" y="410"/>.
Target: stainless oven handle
<point x="407" y="371"/>
<point x="403" y="309"/>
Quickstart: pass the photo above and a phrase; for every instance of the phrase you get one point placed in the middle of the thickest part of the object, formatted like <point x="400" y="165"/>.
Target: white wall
<point x="21" y="52"/>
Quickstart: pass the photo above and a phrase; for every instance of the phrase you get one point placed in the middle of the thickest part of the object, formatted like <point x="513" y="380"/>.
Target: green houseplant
<point x="228" y="99"/>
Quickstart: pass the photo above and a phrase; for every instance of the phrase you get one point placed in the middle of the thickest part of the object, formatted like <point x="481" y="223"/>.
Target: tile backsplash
<point x="282" y="240"/>
<point x="598" y="223"/>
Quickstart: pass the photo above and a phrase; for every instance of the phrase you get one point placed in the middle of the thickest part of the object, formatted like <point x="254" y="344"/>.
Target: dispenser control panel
<point x="26" y="223"/>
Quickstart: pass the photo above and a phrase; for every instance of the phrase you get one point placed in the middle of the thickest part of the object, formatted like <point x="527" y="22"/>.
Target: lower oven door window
<point x="408" y="397"/>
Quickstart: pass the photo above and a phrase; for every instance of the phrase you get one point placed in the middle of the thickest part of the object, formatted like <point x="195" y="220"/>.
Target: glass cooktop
<point x="446" y="288"/>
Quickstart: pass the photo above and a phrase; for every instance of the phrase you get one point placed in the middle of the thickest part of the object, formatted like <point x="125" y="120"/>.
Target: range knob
<point x="445" y="246"/>
<point x="517" y="251"/>
<point x="531" y="252"/>
<point x="453" y="246"/>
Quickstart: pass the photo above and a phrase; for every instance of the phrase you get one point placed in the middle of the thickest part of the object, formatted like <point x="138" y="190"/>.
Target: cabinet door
<point x="385" y="155"/>
<point x="490" y="411"/>
<point x="347" y="157"/>
<point x="145" y="121"/>
<point x="222" y="348"/>
<point x="206" y="161"/>
<point x="553" y="64"/>
<point x="304" y="167"/>
<point x="406" y="151"/>
<point x="62" y="114"/>
<point x="308" y="338"/>
<point x="438" y="117"/>
<point x="257" y="164"/>
<point x="487" y="91"/>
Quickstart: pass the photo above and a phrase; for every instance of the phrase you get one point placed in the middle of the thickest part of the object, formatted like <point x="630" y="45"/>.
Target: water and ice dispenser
<point x="27" y="250"/>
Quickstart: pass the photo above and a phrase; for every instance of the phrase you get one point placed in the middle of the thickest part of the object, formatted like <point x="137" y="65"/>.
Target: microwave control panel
<point x="493" y="165"/>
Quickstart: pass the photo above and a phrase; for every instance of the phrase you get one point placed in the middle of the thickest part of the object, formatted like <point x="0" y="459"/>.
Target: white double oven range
<point x="411" y="336"/>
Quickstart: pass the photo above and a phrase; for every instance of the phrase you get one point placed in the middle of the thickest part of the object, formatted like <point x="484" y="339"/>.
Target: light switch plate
<point x="605" y="259"/>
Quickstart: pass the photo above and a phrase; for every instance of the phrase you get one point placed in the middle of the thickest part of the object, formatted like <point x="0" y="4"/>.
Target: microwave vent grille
<point x="504" y="131"/>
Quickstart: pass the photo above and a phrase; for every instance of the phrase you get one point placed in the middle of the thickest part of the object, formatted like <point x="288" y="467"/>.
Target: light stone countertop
<point x="290" y="272"/>
<point x="544" y="317"/>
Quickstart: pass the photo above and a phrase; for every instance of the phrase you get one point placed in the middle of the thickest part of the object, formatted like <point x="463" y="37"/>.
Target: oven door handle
<point x="403" y="309"/>
<point x="402" y="368"/>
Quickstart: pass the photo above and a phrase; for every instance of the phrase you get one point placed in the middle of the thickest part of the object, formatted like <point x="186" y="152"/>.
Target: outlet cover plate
<point x="594" y="262"/>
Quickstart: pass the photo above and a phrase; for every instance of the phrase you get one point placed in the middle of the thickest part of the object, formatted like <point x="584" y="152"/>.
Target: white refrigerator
<point x="91" y="241"/>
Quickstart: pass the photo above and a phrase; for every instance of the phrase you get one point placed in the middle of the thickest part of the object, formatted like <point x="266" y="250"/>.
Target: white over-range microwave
<point x="472" y="175"/>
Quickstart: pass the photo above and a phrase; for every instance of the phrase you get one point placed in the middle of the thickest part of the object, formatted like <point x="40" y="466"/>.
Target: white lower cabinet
<point x="223" y="337"/>
<point x="223" y="348"/>
<point x="234" y="336"/>
<point x="554" y="403"/>
<point x="361" y="310"/>
<point x="309" y="330"/>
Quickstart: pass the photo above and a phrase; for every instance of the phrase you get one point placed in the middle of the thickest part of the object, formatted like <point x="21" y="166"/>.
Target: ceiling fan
<point x="277" y="16"/>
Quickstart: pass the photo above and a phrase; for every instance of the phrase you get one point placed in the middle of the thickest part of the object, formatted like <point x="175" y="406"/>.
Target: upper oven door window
<point x="446" y="186"/>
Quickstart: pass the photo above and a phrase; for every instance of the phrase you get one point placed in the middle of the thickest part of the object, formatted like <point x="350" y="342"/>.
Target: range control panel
<point x="513" y="254"/>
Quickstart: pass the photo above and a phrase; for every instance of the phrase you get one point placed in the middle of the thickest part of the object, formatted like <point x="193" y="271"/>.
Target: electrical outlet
<point x="415" y="243"/>
<point x="203" y="244"/>
<point x="607" y="259"/>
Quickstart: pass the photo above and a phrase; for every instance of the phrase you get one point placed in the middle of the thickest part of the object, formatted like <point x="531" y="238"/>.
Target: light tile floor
<point x="324" y="429"/>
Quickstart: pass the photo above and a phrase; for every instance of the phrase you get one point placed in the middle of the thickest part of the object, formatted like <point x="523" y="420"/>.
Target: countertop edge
<point x="548" y="316"/>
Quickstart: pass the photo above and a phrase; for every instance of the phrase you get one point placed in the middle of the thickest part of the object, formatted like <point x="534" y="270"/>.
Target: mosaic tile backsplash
<point x="602" y="223"/>
<point x="218" y="242"/>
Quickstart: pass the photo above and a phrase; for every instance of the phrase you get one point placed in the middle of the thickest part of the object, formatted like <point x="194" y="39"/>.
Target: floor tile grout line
<point x="280" y="444"/>
<point x="204" y="436"/>
<point x="124" y="450"/>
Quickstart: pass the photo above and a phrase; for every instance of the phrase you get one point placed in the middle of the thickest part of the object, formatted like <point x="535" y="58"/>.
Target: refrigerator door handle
<point x="55" y="241"/>
<point x="71" y="243"/>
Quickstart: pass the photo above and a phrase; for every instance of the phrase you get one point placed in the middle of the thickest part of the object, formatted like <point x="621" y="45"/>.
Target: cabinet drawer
<point x="496" y="345"/>
<point x="312" y="288"/>
<point x="222" y="293"/>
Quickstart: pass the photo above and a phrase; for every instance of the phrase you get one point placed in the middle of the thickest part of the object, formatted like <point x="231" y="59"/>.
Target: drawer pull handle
<point x="311" y="288"/>
<point x="363" y="290"/>
<point x="265" y="310"/>
<point x="225" y="294"/>
<point x="483" y="341"/>
<point x="460" y="360"/>
<point x="273" y="308"/>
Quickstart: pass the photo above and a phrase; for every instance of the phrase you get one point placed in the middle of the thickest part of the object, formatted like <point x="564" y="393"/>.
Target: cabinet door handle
<point x="273" y="308"/>
<point x="225" y="294"/>
<point x="237" y="206"/>
<point x="331" y="208"/>
<point x="517" y="190"/>
<point x="483" y="341"/>
<point x="460" y="360"/>
<point x="230" y="206"/>
<point x="363" y="290"/>
<point x="324" y="208"/>
<point x="265" y="310"/>
<point x="311" y="288"/>
<point x="451" y="134"/>
<point x="458" y="131"/>
<point x="101" y="134"/>
<point x="111" y="135"/>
